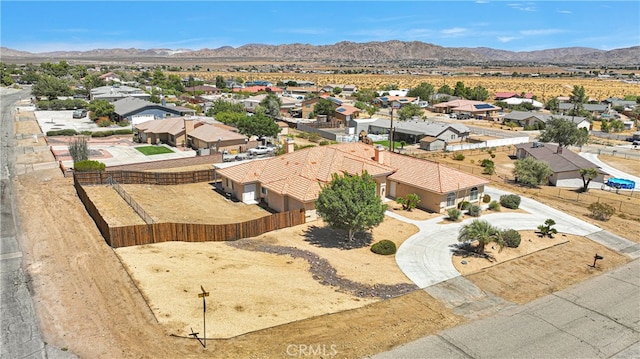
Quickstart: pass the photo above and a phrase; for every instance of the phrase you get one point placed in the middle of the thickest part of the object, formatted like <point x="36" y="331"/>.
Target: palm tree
<point x="587" y="175"/>
<point x="271" y="104"/>
<point x="481" y="231"/>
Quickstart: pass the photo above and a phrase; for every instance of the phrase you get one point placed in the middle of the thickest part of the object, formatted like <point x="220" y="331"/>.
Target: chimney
<point x="189" y="126"/>
<point x="379" y="154"/>
<point x="289" y="146"/>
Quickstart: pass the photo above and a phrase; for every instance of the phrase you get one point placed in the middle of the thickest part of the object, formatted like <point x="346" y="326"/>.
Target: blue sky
<point x="509" y="25"/>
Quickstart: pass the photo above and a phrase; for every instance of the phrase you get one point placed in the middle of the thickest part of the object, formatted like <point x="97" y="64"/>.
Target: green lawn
<point x="396" y="144"/>
<point x="153" y="150"/>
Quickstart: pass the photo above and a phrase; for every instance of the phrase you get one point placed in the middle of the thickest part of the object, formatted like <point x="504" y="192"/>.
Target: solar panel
<point x="341" y="109"/>
<point x="483" y="106"/>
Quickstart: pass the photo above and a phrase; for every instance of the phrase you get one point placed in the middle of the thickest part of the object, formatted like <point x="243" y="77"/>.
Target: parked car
<point x="260" y="150"/>
<point x="80" y="113"/>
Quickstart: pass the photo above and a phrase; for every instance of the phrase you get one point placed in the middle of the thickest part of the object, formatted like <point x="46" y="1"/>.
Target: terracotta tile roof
<point x="347" y="110"/>
<point x="173" y="125"/>
<point x="301" y="173"/>
<point x="211" y="133"/>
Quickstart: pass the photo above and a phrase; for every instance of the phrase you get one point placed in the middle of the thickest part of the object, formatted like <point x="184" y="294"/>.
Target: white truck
<point x="260" y="150"/>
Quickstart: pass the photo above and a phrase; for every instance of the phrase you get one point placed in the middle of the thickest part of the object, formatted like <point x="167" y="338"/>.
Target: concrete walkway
<point x="425" y="257"/>
<point x="614" y="172"/>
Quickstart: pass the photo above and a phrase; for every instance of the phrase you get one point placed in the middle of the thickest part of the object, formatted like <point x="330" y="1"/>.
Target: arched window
<point x="474" y="194"/>
<point x="451" y="199"/>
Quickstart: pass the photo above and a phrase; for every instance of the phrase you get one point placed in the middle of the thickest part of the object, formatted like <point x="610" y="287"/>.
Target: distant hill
<point x="378" y="52"/>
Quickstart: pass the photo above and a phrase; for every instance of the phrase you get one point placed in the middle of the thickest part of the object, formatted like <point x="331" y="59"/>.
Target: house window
<point x="474" y="194"/>
<point x="451" y="199"/>
<point x="263" y="190"/>
<point x="453" y="137"/>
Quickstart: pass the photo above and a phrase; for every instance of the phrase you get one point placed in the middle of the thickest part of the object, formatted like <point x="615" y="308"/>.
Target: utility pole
<point x="391" y="131"/>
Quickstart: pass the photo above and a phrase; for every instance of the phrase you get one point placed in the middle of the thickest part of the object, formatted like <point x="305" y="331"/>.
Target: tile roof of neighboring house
<point x="420" y="127"/>
<point x="518" y="101"/>
<point x="301" y="173"/>
<point x="401" y="99"/>
<point x="258" y="88"/>
<point x="429" y="139"/>
<point x="544" y="117"/>
<point x="461" y="103"/>
<point x="347" y="110"/>
<point x="212" y="133"/>
<point x="171" y="125"/>
<point x="559" y="162"/>
<point x="205" y="88"/>
<point x="108" y="74"/>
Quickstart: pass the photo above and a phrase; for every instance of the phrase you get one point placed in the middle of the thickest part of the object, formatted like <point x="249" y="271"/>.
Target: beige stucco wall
<point x="437" y="202"/>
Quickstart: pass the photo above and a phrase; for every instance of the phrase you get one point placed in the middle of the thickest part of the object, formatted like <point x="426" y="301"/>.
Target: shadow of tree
<point x="327" y="237"/>
<point x="466" y="250"/>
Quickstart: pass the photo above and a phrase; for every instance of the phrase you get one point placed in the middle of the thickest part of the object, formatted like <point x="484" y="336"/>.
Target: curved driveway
<point x="593" y="157"/>
<point x="425" y="257"/>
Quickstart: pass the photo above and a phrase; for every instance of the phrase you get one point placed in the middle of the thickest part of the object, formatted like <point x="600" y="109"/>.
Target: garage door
<point x="249" y="194"/>
<point x="392" y="189"/>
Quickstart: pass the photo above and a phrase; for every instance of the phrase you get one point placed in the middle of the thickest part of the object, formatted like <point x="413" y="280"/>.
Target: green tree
<point x="460" y="90"/>
<point x="409" y="111"/>
<point x="587" y="175"/>
<point x="578" y="98"/>
<point x="158" y="78"/>
<point x="230" y="118"/>
<point x="259" y="125"/>
<point x="481" y="231"/>
<point x="424" y="91"/>
<point x="552" y="105"/>
<point x="445" y="89"/>
<point x="477" y="93"/>
<point x="221" y="105"/>
<point x="564" y="133"/>
<point x="220" y="83"/>
<point x="366" y="95"/>
<point x="51" y="87"/>
<point x="271" y="105"/>
<point x="409" y="202"/>
<point x="93" y="81"/>
<point x="337" y="91"/>
<point x="531" y="172"/>
<point x="100" y="108"/>
<point x="350" y="203"/>
<point x="324" y="107"/>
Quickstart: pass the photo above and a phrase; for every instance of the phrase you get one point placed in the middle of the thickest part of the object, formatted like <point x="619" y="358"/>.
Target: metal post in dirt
<point x="203" y="295"/>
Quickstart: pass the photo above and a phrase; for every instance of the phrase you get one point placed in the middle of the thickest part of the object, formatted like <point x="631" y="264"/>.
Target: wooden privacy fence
<point x="165" y="232"/>
<point x="194" y="232"/>
<point x="139" y="177"/>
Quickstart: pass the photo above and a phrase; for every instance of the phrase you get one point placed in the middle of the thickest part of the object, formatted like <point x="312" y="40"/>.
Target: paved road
<point x="21" y="337"/>
<point x="614" y="172"/>
<point x="598" y="318"/>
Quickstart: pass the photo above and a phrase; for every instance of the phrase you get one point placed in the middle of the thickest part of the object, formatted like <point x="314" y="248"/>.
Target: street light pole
<point x="203" y="295"/>
<point x="391" y="131"/>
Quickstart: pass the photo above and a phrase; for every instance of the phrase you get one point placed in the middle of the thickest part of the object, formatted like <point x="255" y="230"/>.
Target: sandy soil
<point x="87" y="301"/>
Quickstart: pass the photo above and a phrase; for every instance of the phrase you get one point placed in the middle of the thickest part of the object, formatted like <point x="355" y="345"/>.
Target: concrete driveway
<point x="614" y="172"/>
<point x="425" y="257"/>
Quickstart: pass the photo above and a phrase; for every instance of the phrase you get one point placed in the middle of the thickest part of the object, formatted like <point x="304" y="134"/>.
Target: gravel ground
<point x="325" y="274"/>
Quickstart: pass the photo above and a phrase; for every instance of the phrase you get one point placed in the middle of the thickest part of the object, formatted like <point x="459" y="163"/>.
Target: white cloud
<point x="539" y="32"/>
<point x="523" y="7"/>
<point x="454" y="31"/>
<point x="565" y="12"/>
<point x="507" y="38"/>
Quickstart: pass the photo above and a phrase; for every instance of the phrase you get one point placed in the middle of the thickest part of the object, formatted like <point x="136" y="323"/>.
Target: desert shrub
<point x="102" y="134"/>
<point x="454" y="214"/>
<point x="487" y="163"/>
<point x="511" y="238"/>
<point x="324" y="143"/>
<point x="546" y="229"/>
<point x="123" y="132"/>
<point x="103" y="122"/>
<point x="89" y="166"/>
<point x="475" y="210"/>
<point x="510" y="201"/>
<point x="458" y="157"/>
<point x="124" y="123"/>
<point x="486" y="198"/>
<point x="409" y="202"/>
<point x="601" y="211"/>
<point x="65" y="132"/>
<point x="494" y="206"/>
<point x="384" y="247"/>
<point x="464" y="205"/>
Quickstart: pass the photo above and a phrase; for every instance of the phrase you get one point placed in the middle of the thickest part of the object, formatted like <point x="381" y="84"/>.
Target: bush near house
<point x="486" y="198"/>
<point x="89" y="166"/>
<point x="511" y="201"/>
<point x="464" y="205"/>
<point x="454" y="214"/>
<point x="494" y="206"/>
<point x="475" y="210"/>
<point x="384" y="247"/>
<point x="511" y="238"/>
<point x="601" y="211"/>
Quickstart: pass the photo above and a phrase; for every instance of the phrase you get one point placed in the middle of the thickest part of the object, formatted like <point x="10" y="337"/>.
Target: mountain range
<point x="378" y="52"/>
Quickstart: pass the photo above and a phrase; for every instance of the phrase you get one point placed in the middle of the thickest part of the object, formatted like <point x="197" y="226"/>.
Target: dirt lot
<point x="89" y="303"/>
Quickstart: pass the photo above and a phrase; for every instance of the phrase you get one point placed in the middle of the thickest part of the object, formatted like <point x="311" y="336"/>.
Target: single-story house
<point x="475" y="109"/>
<point x="309" y="104"/>
<point x="293" y="181"/>
<point x="595" y="109"/>
<point x="530" y="118"/>
<point x="117" y="92"/>
<point x="286" y="103"/>
<point x="136" y="110"/>
<point x="109" y="77"/>
<point x="412" y="131"/>
<point x="394" y="101"/>
<point x="217" y="136"/>
<point x="514" y="101"/>
<point x="203" y="89"/>
<point x="566" y="165"/>
<point x="346" y="112"/>
<point x="257" y="88"/>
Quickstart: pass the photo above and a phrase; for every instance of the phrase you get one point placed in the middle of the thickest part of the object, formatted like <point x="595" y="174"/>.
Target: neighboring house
<point x="394" y="101"/>
<point x="530" y="119"/>
<point x="287" y="103"/>
<point x="110" y="77"/>
<point x="565" y="165"/>
<point x="217" y="136"/>
<point x="203" y="90"/>
<point x="345" y="113"/>
<point x="309" y="104"/>
<point x="294" y="180"/>
<point x="258" y="88"/>
<point x="411" y="131"/>
<point x="514" y="101"/>
<point x="505" y="95"/>
<point x="594" y="108"/>
<point x="475" y="109"/>
<point x="299" y="92"/>
<point x="117" y="92"/>
<point x="137" y="111"/>
<point x="346" y="89"/>
<point x="258" y="83"/>
<point x="399" y="93"/>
